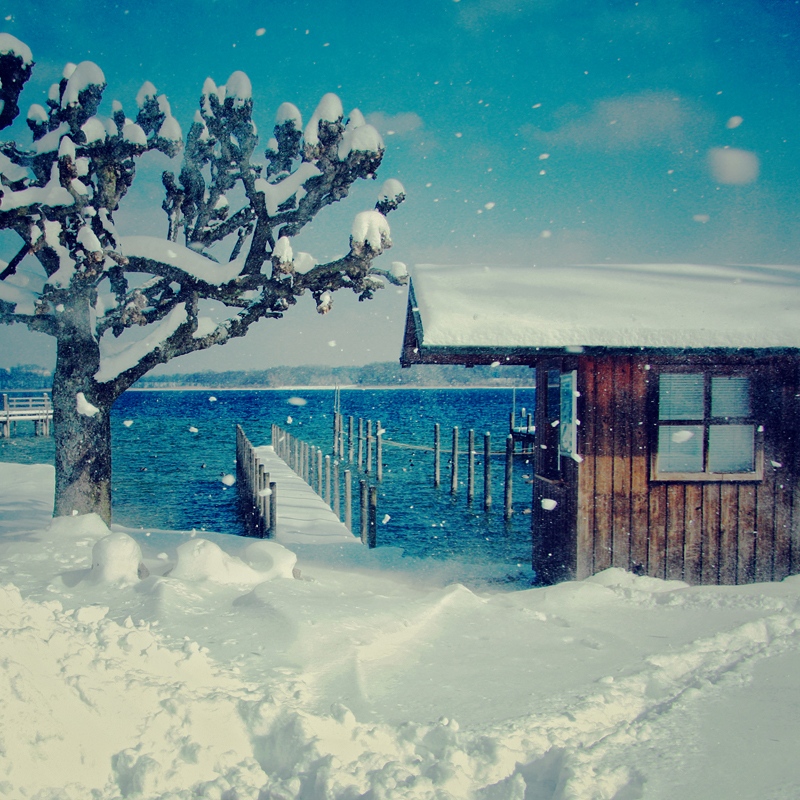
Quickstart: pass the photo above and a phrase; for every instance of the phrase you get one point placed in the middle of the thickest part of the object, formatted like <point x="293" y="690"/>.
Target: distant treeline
<point x="380" y="374"/>
<point x="26" y="376"/>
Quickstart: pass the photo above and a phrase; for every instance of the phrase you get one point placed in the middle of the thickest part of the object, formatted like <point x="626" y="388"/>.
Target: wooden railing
<point x="30" y="408"/>
<point x="258" y="495"/>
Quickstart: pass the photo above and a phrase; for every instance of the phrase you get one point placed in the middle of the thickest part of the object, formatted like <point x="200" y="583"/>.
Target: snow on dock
<point x="303" y="516"/>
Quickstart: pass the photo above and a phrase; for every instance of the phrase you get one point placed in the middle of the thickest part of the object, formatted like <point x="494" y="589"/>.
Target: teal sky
<point x="525" y="131"/>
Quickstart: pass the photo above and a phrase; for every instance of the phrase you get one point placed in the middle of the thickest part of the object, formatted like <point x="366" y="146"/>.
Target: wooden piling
<point x="328" y="480"/>
<point x="487" y="471"/>
<point x="364" y="511"/>
<point x="348" y="500"/>
<point x="471" y="466"/>
<point x="437" y="446"/>
<point x="336" y="502"/>
<point x="372" y="535"/>
<point x="360" y="443"/>
<point x="454" y="463"/>
<point x="509" y="475"/>
<point x="273" y="509"/>
<point x="350" y="442"/>
<point x="379" y="453"/>
<point x="369" y="447"/>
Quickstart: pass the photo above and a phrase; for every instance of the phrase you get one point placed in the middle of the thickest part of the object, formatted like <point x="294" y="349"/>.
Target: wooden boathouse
<point x="667" y="415"/>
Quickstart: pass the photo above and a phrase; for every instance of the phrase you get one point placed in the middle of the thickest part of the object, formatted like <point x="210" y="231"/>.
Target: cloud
<point x="395" y="124"/>
<point x="473" y="14"/>
<point x="733" y="166"/>
<point x="625" y="123"/>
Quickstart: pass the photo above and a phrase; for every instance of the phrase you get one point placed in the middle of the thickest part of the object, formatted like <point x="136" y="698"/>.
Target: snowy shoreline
<point x="156" y="664"/>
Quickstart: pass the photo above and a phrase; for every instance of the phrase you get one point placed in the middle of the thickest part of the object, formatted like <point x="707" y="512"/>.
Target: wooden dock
<point x="36" y="408"/>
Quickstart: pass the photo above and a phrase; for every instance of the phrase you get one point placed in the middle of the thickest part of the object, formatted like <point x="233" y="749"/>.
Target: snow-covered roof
<point x="602" y="305"/>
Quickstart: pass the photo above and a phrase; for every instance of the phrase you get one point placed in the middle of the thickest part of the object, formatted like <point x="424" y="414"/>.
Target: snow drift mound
<point x="202" y="560"/>
<point x="117" y="559"/>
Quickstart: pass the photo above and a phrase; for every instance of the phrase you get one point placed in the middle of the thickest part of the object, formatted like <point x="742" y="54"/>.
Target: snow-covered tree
<point x="230" y="225"/>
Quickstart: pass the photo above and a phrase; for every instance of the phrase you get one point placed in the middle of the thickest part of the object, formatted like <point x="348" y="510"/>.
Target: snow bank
<point x="238" y="669"/>
<point x="202" y="560"/>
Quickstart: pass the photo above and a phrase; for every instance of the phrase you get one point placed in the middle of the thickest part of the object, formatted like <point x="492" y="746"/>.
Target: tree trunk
<point x="82" y="435"/>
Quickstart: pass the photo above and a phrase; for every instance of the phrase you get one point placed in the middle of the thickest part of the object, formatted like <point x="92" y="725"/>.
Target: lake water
<point x="170" y="456"/>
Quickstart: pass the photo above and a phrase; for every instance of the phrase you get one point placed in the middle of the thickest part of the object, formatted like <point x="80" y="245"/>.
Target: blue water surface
<point x="171" y="449"/>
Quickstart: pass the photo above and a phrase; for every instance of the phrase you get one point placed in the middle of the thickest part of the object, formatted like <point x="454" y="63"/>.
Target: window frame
<point x="708" y="372"/>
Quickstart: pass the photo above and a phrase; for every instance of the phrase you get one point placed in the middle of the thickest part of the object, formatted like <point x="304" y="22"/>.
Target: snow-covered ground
<point x="155" y="664"/>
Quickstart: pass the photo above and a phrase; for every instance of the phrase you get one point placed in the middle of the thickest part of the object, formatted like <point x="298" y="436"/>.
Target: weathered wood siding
<point x="709" y="532"/>
<point x="555" y="557"/>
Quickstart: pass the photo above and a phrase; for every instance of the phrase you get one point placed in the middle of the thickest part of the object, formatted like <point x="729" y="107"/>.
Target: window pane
<point x="731" y="448"/>
<point x="680" y="448"/>
<point x="730" y="397"/>
<point x="680" y="396"/>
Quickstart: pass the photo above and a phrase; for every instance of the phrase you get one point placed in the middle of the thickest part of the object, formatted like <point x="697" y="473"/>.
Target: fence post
<point x="487" y="471"/>
<point x="319" y="473"/>
<point x="509" y="474"/>
<point x="454" y="464"/>
<point x="328" y="480"/>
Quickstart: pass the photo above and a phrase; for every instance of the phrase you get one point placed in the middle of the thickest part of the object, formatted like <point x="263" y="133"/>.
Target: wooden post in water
<point x="364" y="511"/>
<point x="454" y="463"/>
<point x="379" y="452"/>
<point x="437" y="447"/>
<point x="372" y="535"/>
<point x="350" y="442"/>
<point x="328" y="480"/>
<point x="348" y="500"/>
<point x="509" y="474"/>
<point x="336" y="503"/>
<point x="273" y="509"/>
<point x="369" y="446"/>
<point x="335" y="433"/>
<point x="471" y="466"/>
<point x="261" y="500"/>
<point x="360" y="443"/>
<point x="487" y="471"/>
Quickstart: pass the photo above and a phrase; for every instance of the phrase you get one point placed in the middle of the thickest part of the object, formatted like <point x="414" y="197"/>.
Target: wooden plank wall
<point x="703" y="533"/>
<point x="553" y="551"/>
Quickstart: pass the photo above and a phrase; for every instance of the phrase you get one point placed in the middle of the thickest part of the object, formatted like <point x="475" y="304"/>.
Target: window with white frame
<point x="706" y="428"/>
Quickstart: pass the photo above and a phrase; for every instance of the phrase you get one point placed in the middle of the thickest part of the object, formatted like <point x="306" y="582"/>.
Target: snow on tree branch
<point x="231" y="210"/>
